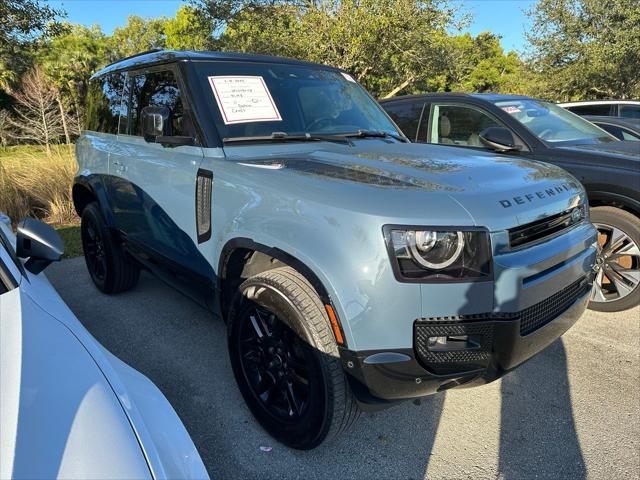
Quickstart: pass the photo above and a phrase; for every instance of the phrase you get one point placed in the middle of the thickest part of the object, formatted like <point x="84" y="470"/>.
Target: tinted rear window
<point x="630" y="111"/>
<point x="591" y="109"/>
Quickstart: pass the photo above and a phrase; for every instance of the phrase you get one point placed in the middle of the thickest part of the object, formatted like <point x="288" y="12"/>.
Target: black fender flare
<point x="612" y="198"/>
<point x="92" y="187"/>
<point x="284" y="257"/>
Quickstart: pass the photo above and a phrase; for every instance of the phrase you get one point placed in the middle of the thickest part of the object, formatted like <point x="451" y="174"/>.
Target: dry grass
<point x="34" y="183"/>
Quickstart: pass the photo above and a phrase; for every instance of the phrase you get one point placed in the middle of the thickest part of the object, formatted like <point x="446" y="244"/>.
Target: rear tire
<point x="617" y="283"/>
<point x="286" y="361"/>
<point x="110" y="268"/>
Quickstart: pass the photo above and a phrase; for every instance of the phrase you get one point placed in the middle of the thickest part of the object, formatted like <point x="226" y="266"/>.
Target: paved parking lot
<point x="571" y="412"/>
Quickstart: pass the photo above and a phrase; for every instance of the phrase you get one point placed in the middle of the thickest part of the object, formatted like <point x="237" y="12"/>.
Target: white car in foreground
<point x="68" y="408"/>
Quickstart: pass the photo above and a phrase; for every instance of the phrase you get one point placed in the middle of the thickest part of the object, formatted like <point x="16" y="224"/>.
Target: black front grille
<point x="540" y="229"/>
<point x="543" y="312"/>
<point x="482" y="325"/>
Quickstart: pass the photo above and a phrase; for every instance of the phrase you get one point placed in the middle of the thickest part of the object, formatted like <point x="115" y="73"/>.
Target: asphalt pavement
<point x="571" y="412"/>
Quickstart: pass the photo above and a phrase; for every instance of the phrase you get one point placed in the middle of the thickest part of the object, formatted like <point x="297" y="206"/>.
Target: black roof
<point x="157" y="57"/>
<point x="489" y="97"/>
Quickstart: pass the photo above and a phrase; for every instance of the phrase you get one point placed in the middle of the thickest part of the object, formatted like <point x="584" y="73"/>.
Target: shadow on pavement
<point x="534" y="445"/>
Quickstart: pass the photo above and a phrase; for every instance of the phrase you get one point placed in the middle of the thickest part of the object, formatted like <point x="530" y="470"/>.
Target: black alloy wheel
<point x="110" y="267"/>
<point x="93" y="247"/>
<point x="275" y="364"/>
<point x="286" y="361"/>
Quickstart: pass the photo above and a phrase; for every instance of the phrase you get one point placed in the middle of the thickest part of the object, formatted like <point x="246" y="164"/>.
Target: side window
<point x="7" y="246"/>
<point x="630" y="111"/>
<point x="123" y="127"/>
<point x="158" y="89"/>
<point x="629" y="135"/>
<point x="612" y="129"/>
<point x="619" y="132"/>
<point x="104" y="103"/>
<point x="407" y="116"/>
<point x="591" y="109"/>
<point x="458" y="125"/>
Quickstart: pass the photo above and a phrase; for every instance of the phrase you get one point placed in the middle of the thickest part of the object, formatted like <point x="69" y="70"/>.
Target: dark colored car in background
<point x="619" y="127"/>
<point x="535" y="129"/>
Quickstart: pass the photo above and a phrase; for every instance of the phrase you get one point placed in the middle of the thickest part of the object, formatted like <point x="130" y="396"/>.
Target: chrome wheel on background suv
<point x="617" y="280"/>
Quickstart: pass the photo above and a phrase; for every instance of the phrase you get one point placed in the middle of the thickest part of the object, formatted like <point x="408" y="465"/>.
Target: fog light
<point x="435" y="341"/>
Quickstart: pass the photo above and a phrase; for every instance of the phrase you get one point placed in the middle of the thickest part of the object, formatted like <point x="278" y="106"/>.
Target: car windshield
<point x="554" y="124"/>
<point x="252" y="100"/>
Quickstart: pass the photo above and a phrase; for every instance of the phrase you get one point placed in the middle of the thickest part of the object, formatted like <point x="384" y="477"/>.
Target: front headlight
<point x="428" y="254"/>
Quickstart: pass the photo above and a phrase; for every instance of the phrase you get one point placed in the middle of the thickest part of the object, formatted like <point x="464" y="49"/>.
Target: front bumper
<point x="497" y="343"/>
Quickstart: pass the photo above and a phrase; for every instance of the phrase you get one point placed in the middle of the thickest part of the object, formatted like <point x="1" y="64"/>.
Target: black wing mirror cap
<point x="499" y="139"/>
<point x="156" y="122"/>
<point x="39" y="243"/>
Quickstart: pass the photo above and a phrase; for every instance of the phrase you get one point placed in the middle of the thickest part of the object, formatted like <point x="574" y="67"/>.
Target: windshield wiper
<point x="285" y="137"/>
<point x="377" y="134"/>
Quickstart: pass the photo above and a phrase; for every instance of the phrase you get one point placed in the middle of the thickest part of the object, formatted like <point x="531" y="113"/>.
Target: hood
<point x="419" y="181"/>
<point x="59" y="414"/>
<point x="622" y="149"/>
<point x="162" y="445"/>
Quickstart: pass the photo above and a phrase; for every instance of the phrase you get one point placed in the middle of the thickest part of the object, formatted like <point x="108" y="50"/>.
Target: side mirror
<point x="38" y="242"/>
<point x="156" y="127"/>
<point x="156" y="122"/>
<point x="499" y="138"/>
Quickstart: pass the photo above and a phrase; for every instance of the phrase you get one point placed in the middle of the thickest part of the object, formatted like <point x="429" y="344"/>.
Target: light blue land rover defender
<point x="354" y="269"/>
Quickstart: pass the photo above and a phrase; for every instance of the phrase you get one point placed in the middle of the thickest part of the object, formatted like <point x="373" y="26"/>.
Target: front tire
<point x="617" y="283"/>
<point x="111" y="270"/>
<point x="286" y="361"/>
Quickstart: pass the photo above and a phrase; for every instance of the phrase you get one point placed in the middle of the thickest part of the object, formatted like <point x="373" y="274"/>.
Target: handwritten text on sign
<point x="244" y="99"/>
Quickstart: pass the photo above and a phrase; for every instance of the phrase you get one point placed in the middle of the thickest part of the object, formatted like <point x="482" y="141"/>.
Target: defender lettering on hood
<point x="539" y="194"/>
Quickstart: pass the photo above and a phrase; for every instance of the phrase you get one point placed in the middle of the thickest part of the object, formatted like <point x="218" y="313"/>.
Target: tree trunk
<point x="404" y="84"/>
<point x="45" y="125"/>
<point x="64" y="119"/>
<point x="78" y="124"/>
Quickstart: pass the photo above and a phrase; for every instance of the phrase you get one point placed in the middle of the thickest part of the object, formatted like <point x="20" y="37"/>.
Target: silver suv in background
<point x="354" y="269"/>
<point x="605" y="108"/>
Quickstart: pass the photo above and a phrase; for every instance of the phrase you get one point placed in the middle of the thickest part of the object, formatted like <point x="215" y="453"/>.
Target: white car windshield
<point x="553" y="124"/>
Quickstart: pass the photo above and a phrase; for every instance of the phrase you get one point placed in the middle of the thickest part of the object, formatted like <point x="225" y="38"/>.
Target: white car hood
<point x="70" y="409"/>
<point x="59" y="416"/>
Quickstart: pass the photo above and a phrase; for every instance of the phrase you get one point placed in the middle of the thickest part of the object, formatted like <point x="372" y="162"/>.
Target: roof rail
<point x="153" y="50"/>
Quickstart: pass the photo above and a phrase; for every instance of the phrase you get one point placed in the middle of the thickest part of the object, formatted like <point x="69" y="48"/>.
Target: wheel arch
<point x="242" y="256"/>
<point x="599" y="198"/>
<point x="87" y="189"/>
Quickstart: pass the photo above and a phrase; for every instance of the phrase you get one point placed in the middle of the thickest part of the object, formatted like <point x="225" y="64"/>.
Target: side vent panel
<point x="204" y="186"/>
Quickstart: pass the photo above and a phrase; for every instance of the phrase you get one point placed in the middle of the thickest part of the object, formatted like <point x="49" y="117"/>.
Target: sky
<point x="503" y="17"/>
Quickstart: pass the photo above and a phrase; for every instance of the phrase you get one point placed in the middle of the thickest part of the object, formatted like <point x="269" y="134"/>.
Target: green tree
<point x="138" y="35"/>
<point x="68" y="61"/>
<point x="391" y="46"/>
<point x="479" y="64"/>
<point x="189" y="30"/>
<point x="586" y="48"/>
<point x="23" y="22"/>
<point x="219" y="13"/>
